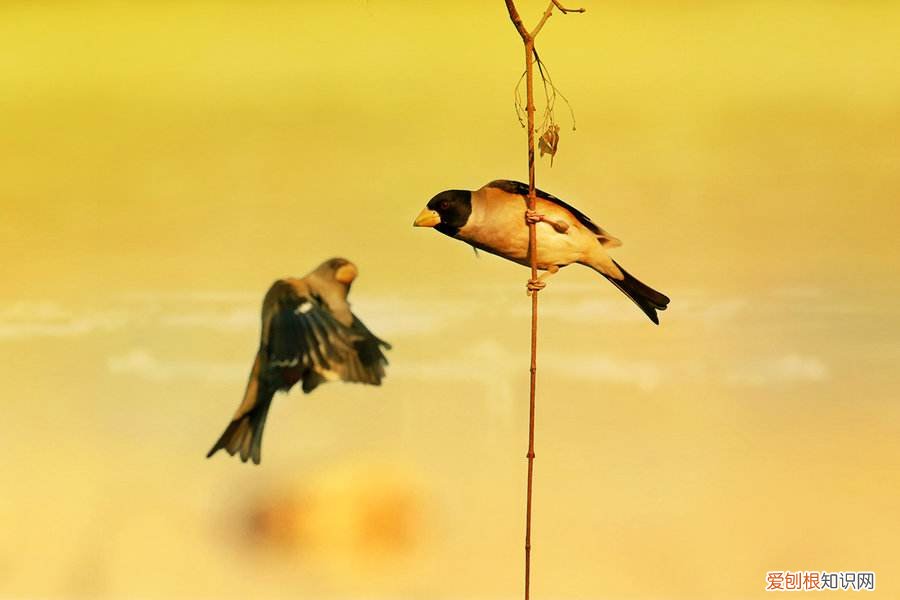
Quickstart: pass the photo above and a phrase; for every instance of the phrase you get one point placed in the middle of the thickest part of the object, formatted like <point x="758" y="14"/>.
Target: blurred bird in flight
<point x="309" y="336"/>
<point x="495" y="219"/>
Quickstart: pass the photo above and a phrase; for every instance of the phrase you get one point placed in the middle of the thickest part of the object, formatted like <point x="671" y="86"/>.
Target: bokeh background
<point x="161" y="163"/>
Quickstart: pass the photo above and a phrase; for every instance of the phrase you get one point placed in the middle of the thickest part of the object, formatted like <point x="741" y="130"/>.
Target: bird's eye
<point x="445" y="205"/>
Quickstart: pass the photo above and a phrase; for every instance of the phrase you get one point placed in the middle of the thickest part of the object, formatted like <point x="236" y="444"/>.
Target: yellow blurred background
<point x="161" y="163"/>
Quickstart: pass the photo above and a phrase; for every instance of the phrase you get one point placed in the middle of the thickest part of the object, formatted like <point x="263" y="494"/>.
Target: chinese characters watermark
<point x="817" y="581"/>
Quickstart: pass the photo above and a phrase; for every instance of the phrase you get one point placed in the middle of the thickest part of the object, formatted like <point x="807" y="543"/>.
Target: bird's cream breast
<point x="497" y="225"/>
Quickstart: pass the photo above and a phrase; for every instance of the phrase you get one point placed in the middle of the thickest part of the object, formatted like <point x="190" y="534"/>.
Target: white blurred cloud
<point x="233" y="320"/>
<point x="646" y="375"/>
<point x="486" y="361"/>
<point x="389" y="316"/>
<point x="500" y="368"/>
<point x="194" y="297"/>
<point x="575" y="303"/>
<point x="790" y="368"/>
<point x="221" y="311"/>
<point x="717" y="312"/>
<point x="27" y="320"/>
<point x="142" y="363"/>
<point x="401" y="316"/>
<point x="583" y="310"/>
<point x="798" y="292"/>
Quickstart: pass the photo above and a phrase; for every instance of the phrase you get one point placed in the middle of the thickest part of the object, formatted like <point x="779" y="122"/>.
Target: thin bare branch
<point x="547" y="14"/>
<point x="531" y="200"/>
<point x="565" y="10"/>
<point x="517" y="20"/>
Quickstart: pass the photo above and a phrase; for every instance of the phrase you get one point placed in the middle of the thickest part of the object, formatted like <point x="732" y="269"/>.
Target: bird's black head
<point x="447" y="212"/>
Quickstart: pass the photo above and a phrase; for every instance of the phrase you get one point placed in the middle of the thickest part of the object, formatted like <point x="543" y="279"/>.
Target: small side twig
<point x="547" y="14"/>
<point x="565" y="10"/>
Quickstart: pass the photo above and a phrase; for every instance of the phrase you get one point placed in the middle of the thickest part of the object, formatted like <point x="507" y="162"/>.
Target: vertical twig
<point x="532" y="258"/>
<point x="528" y="41"/>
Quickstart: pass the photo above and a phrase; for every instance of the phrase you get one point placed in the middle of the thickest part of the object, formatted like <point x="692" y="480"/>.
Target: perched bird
<point x="495" y="219"/>
<point x="308" y="335"/>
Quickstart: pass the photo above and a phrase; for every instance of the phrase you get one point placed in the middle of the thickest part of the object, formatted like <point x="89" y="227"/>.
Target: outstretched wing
<point x="302" y="340"/>
<point x="521" y="189"/>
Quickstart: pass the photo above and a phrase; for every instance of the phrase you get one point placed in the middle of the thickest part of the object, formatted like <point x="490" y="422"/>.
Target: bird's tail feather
<point x="647" y="299"/>
<point x="244" y="434"/>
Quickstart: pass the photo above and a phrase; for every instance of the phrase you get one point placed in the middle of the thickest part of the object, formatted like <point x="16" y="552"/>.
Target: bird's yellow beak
<point x="427" y="218"/>
<point x="346" y="274"/>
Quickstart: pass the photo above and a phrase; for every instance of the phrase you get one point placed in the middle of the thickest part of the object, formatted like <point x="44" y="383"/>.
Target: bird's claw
<point x="535" y="285"/>
<point x="533" y="217"/>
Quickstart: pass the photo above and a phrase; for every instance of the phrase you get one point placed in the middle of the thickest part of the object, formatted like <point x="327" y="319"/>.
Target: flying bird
<point x="495" y="219"/>
<point x="309" y="336"/>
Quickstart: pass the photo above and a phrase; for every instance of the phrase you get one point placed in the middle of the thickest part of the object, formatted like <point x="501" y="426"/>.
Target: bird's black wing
<point x="302" y="339"/>
<point x="369" y="350"/>
<point x="521" y="189"/>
